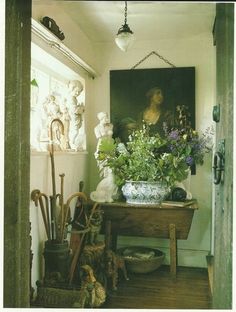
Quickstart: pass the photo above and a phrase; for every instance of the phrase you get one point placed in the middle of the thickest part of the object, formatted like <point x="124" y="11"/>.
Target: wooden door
<point x="224" y="40"/>
<point x="17" y="154"/>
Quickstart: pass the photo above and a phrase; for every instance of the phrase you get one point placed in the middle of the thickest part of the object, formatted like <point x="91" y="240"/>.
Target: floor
<point x="157" y="290"/>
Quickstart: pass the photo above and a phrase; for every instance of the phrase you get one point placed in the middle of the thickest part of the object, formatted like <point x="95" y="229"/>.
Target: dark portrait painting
<point x="132" y="93"/>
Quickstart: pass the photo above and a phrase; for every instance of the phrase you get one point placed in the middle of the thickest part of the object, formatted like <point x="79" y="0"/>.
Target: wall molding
<point x="43" y="34"/>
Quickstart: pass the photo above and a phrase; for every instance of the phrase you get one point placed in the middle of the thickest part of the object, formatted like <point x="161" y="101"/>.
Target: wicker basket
<point x="140" y="259"/>
<point x="48" y="297"/>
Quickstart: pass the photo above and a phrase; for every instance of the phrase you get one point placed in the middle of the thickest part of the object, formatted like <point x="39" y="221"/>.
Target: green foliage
<point x="153" y="158"/>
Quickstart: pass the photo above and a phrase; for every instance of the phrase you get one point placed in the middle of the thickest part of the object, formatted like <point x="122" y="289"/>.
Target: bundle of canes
<point x="55" y="232"/>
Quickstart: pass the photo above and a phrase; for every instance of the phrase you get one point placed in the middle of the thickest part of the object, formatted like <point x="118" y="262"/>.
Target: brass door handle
<point x="218" y="167"/>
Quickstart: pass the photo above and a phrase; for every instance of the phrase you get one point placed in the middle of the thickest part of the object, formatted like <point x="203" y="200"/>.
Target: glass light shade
<point x="124" y="40"/>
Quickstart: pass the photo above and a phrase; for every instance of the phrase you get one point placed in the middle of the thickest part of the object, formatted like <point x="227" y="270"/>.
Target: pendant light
<point x="124" y="38"/>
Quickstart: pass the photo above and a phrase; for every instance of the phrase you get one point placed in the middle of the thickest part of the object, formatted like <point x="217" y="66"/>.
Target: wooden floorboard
<point x="157" y="290"/>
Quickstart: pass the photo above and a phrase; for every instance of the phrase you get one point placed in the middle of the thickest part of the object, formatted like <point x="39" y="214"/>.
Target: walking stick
<point x="67" y="205"/>
<point x="36" y="196"/>
<point x="47" y="214"/>
<point x="62" y="204"/>
<point x="78" y="222"/>
<point x="53" y="198"/>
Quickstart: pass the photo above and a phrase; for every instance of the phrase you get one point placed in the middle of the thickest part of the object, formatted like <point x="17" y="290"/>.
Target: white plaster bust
<point x="106" y="188"/>
<point x="104" y="128"/>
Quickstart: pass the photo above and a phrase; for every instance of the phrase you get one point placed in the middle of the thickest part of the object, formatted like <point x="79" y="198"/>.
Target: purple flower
<point x="189" y="160"/>
<point x="174" y="135"/>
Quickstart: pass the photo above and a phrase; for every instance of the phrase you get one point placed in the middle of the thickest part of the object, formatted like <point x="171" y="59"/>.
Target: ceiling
<point x="149" y="20"/>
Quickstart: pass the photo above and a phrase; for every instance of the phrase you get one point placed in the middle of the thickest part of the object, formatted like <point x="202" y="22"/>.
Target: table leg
<point x="114" y="242"/>
<point x="173" y="250"/>
<point x="108" y="234"/>
<point x="110" y="238"/>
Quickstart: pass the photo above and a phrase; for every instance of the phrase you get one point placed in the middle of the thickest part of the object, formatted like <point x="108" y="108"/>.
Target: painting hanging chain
<point x="155" y="53"/>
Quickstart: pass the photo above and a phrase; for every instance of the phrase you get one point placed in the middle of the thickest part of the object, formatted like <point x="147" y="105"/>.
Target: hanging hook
<point x="153" y="53"/>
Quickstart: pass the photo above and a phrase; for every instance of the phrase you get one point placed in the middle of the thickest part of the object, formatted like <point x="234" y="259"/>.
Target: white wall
<point x="198" y="52"/>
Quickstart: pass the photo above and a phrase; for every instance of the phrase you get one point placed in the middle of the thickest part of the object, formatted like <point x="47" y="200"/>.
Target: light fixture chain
<point x="155" y="53"/>
<point x="125" y="12"/>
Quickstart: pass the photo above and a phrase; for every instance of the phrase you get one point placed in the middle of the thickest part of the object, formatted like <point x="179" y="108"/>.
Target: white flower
<point x="121" y="148"/>
<point x="164" y="155"/>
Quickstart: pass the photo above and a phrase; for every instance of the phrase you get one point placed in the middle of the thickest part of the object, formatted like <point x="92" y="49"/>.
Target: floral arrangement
<point x="155" y="158"/>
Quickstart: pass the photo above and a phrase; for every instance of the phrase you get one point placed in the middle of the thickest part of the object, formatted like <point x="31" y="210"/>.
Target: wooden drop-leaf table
<point x="171" y="220"/>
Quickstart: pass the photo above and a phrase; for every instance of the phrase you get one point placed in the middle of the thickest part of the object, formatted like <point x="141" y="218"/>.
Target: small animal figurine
<point x="93" y="294"/>
<point x="113" y="263"/>
<point x="106" y="188"/>
<point x="95" y="227"/>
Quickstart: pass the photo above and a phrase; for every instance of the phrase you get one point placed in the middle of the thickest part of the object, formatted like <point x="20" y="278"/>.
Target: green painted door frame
<point x="223" y="227"/>
<point x="17" y="154"/>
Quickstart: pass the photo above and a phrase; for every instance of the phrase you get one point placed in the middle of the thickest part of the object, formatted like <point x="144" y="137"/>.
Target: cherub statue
<point x="66" y="122"/>
<point x="53" y="111"/>
<point x="76" y="111"/>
